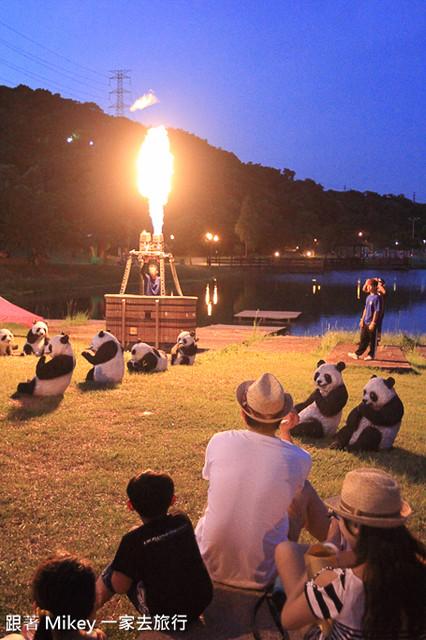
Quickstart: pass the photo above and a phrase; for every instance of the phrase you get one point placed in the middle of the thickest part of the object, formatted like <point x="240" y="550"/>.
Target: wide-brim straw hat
<point x="371" y="497"/>
<point x="264" y="399"/>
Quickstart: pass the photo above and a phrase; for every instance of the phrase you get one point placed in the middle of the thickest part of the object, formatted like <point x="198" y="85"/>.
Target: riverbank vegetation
<point x="65" y="461"/>
<point x="68" y="181"/>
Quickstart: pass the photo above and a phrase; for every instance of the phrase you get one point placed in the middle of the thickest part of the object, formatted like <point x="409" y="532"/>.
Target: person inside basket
<point x="63" y="592"/>
<point x="383" y="594"/>
<point x="157" y="564"/>
<point x="258" y="491"/>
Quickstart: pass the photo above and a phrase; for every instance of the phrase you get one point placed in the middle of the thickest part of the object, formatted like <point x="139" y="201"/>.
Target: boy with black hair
<point x="157" y="564"/>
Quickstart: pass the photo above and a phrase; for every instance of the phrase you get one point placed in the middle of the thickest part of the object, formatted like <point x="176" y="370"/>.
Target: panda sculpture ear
<point x="320" y="362"/>
<point x="340" y="366"/>
<point x="64" y="338"/>
<point x="192" y="333"/>
<point x="390" y="382"/>
<point x="138" y="341"/>
<point x="101" y="334"/>
<point x="373" y="376"/>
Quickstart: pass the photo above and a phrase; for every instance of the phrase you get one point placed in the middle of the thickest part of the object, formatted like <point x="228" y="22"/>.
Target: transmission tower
<point x="119" y="75"/>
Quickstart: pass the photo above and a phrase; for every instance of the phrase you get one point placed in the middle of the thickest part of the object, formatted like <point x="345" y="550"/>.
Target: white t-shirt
<point x="252" y="481"/>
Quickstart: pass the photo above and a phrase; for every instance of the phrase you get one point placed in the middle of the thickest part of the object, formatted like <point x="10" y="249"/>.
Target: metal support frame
<point x="147" y="250"/>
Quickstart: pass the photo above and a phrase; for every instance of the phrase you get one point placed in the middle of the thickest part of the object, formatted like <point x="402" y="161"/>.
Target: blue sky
<point x="330" y="89"/>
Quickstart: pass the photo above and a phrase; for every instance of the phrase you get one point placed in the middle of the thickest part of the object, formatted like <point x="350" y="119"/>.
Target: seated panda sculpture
<point x="6" y="342"/>
<point x="37" y="339"/>
<point x="184" y="351"/>
<point x="53" y="375"/>
<point x="321" y="413"/>
<point x="107" y="359"/>
<point x="146" y="359"/>
<point x="374" y="424"/>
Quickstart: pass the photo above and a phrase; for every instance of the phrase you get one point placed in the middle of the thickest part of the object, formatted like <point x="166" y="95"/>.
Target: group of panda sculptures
<point x="371" y="425"/>
<point x="53" y="376"/>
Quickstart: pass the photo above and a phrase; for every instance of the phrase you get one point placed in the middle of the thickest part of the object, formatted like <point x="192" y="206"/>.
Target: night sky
<point x="333" y="90"/>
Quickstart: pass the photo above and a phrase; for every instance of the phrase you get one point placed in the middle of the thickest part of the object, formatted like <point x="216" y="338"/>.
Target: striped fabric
<point x="343" y="601"/>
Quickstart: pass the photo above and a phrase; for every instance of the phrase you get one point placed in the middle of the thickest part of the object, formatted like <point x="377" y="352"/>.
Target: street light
<point x="210" y="239"/>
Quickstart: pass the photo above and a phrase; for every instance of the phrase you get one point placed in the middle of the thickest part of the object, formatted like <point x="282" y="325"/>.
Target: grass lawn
<point x="65" y="462"/>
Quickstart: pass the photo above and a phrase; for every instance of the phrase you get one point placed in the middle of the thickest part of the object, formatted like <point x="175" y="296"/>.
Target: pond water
<point x="333" y="300"/>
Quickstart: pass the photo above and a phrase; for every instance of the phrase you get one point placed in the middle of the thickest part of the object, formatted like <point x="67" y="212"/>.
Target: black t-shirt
<point x="164" y="554"/>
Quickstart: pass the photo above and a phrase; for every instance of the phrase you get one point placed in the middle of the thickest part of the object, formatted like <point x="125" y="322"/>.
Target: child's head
<point x="64" y="585"/>
<point x="153" y="270"/>
<point x="373" y="284"/>
<point x="151" y="493"/>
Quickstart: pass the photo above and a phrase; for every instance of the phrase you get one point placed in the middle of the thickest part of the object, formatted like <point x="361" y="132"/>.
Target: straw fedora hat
<point x="264" y="399"/>
<point x="371" y="497"/>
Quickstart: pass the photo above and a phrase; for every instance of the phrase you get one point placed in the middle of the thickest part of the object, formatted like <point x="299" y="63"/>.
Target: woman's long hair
<point x="63" y="585"/>
<point x="394" y="582"/>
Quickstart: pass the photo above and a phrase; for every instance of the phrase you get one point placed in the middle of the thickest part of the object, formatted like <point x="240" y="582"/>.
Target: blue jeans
<point x="136" y="593"/>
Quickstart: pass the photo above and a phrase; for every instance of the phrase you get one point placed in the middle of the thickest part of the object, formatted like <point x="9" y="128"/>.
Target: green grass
<point x="65" y="462"/>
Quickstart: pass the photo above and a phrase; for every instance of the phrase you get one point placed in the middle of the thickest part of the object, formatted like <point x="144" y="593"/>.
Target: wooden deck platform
<point x="388" y="358"/>
<point x="260" y="315"/>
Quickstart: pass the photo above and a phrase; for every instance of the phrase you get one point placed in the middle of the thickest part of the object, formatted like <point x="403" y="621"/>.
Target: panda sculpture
<point x="146" y="359"/>
<point x="184" y="351"/>
<point x="6" y="342"/>
<point x="37" y="339"/>
<point x="374" y="424"/>
<point x="53" y="375"/>
<point x="321" y="413"/>
<point x="107" y="359"/>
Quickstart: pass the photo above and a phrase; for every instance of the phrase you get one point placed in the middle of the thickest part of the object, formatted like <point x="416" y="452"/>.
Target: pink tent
<point x="11" y="313"/>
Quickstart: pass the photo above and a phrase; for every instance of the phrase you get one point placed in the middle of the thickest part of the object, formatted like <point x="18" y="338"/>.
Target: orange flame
<point x="155" y="169"/>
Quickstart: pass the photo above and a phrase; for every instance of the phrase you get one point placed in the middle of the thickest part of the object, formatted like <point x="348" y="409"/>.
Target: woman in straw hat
<point x="383" y="594"/>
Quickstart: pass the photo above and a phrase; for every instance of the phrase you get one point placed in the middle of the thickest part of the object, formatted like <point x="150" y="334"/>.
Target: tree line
<point x="68" y="182"/>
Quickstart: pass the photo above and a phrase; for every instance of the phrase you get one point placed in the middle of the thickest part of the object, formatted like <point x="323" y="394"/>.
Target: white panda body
<point x="147" y="359"/>
<point x="37" y="339"/>
<point x="54" y="375"/>
<point x="330" y="424"/>
<point x="108" y="360"/>
<point x="388" y="434"/>
<point x="185" y="350"/>
<point x="6" y="342"/>
<point x="321" y="413"/>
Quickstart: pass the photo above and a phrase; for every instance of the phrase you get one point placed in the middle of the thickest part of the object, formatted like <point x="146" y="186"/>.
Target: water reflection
<point x="331" y="300"/>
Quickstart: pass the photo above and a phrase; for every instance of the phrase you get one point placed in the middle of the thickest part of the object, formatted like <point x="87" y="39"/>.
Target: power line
<point x="51" y="66"/>
<point x="36" y="76"/>
<point x="50" y="50"/>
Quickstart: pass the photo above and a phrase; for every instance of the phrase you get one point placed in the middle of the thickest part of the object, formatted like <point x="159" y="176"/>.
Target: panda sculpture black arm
<point x="342" y="437"/>
<point x="147" y="363"/>
<point x="333" y="402"/>
<point x="54" y="368"/>
<point x="302" y="405"/>
<point x="106" y="352"/>
<point x="387" y="416"/>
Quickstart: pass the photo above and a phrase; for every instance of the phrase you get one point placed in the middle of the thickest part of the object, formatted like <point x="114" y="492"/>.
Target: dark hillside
<point x="68" y="180"/>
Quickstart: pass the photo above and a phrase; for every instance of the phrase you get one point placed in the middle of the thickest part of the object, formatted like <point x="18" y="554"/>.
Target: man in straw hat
<point x="376" y="587"/>
<point x="254" y="476"/>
